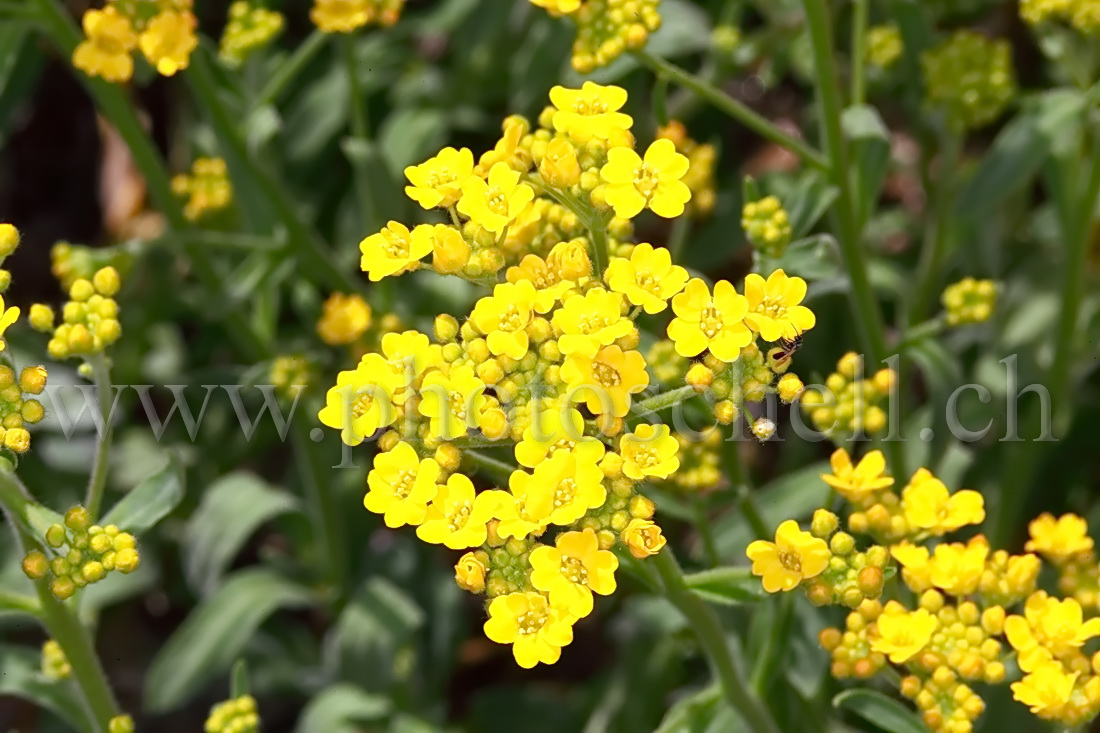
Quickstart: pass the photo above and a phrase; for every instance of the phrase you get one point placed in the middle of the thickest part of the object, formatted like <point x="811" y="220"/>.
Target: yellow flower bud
<point x="126" y="561"/>
<point x="570" y="259"/>
<point x="81" y="290"/>
<point x="494" y="424"/>
<point x="470" y="572"/>
<point x="120" y="724"/>
<point x="106" y="281"/>
<point x="62" y="587"/>
<point x="450" y="250"/>
<point x="641" y="507"/>
<point x="41" y="317"/>
<point x="93" y="571"/>
<point x="35" y="565"/>
<point x="763" y="428"/>
<point x="699" y="376"/>
<point x="789" y="387"/>
<point x="446" y="328"/>
<point x="9" y="239"/>
<point x="643" y="538"/>
<point x="490" y="372"/>
<point x="559" y="168"/>
<point x="725" y="412"/>
<point x="824" y="523"/>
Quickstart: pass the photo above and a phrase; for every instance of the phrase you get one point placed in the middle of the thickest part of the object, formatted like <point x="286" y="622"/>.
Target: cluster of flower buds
<point x="55" y="665"/>
<point x="81" y="553"/>
<point x="767" y="226"/>
<point x="238" y="715"/>
<point x="89" y="318"/>
<point x="969" y="301"/>
<point x="884" y="45"/>
<point x="606" y="28"/>
<point x="207" y="188"/>
<point x="850" y="405"/>
<point x="250" y="27"/>
<point x="345" y="16"/>
<point x="970" y="78"/>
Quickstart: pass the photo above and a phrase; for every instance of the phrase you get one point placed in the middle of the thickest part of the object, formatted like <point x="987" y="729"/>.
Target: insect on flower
<point x="781" y="356"/>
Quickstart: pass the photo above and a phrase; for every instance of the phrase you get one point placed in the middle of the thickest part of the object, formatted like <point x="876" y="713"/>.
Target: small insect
<point x="781" y="355"/>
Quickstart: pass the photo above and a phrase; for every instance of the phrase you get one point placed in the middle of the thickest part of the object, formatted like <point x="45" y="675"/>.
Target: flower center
<point x="710" y="320"/>
<point x="589" y="107"/>
<point x="592" y="323"/>
<point x="397" y="246"/>
<point x="564" y="492"/>
<point x="403" y="483"/>
<point x="646" y="180"/>
<point x="772" y="306"/>
<point x="574" y="571"/>
<point x="646" y="281"/>
<point x="606" y="375"/>
<point x="361" y="405"/>
<point x="497" y="202"/>
<point x="532" y="621"/>
<point x="791" y="561"/>
<point x="458" y="405"/>
<point x="511" y="319"/>
<point x="645" y="457"/>
<point x="459" y="515"/>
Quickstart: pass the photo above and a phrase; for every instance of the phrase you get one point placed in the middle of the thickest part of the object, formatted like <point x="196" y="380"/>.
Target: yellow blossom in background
<point x="105" y="52"/>
<point x="395" y="250"/>
<point x="902" y="634"/>
<point x="168" y="40"/>
<point x="647" y="278"/>
<point x="606" y="381"/>
<point x="536" y="630"/>
<point x="207" y="188"/>
<point x="643" y="538"/>
<point x="590" y="321"/>
<point x="494" y="203"/>
<point x="795" y="556"/>
<point x="249" y="28"/>
<point x="572" y="570"/>
<point x="360" y="403"/>
<point x="969" y="301"/>
<point x="774" y="306"/>
<point x="649" y="452"/>
<point x="1059" y="539"/>
<point x="591" y="112"/>
<point x="1049" y="628"/>
<point x="457" y="515"/>
<point x="702" y="158"/>
<point x="504" y="316"/>
<point x="238" y="715"/>
<point x="929" y="507"/>
<point x="608" y="28"/>
<point x="401" y="485"/>
<point x="970" y="78"/>
<point x="340" y="16"/>
<point x="344" y="318"/>
<point x="552" y="430"/>
<point x="1038" y="11"/>
<point x="563" y="7"/>
<point x="635" y="183"/>
<point x="884" y="45"/>
<point x="856" y="482"/>
<point x="1046" y="691"/>
<point x="452" y="401"/>
<point x="715" y="322"/>
<point x="438" y="180"/>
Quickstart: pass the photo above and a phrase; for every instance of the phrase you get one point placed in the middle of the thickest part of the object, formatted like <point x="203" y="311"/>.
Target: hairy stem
<point x="97" y="481"/>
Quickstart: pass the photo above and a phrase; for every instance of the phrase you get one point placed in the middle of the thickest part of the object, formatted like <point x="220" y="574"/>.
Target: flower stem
<point x="659" y="402"/>
<point x="290" y="68"/>
<point x="727" y="104"/>
<point x="859" y="50"/>
<point x="712" y="640"/>
<point x="498" y="470"/>
<point x="329" y="528"/>
<point x="597" y="230"/>
<point x="935" y="242"/>
<point x="97" y="481"/>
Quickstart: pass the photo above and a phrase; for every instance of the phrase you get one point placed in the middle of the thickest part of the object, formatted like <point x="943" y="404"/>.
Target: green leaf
<point x="150" y="501"/>
<point x="215" y="634"/>
<point x="21" y="676"/>
<point x="813" y="258"/>
<point x="342" y="708"/>
<point x="729" y="586"/>
<point x="232" y="509"/>
<point x="693" y="712"/>
<point x="238" y="680"/>
<point x="807" y="201"/>
<point x="410" y="135"/>
<point x="885" y="712"/>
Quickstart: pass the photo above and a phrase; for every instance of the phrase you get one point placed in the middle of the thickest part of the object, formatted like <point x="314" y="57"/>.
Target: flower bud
<point x="106" y="281"/>
<point x="35" y="565"/>
<point x="641" y="507"/>
<point x="699" y="376"/>
<point x="842" y="543"/>
<point x="559" y="167"/>
<point x="470" y="572"/>
<point x="9" y="239"/>
<point x="32" y="379"/>
<point x="824" y="523"/>
<point x="62" y="587"/>
<point x="121" y="724"/>
<point x="643" y="538"/>
<point x="450" y="251"/>
<point x="870" y="581"/>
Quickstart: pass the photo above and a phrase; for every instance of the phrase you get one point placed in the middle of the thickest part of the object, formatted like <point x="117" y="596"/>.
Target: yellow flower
<point x="401" y="485"/>
<point x="643" y="538"/>
<point x="930" y="508"/>
<point x="590" y="321"/>
<point x="648" y="278"/>
<point x="563" y="7"/>
<point x="635" y="183"/>
<point x="559" y="491"/>
<point x="710" y="322"/>
<point x="470" y="572"/>
<point x="394" y="250"/>
<point x="793" y="557"/>
<point x="340" y="16"/>
<point x="774" y="310"/>
<point x="902" y="634"/>
<point x="559" y="167"/>
<point x="571" y="259"/>
<point x="8" y="316"/>
<point x="410" y="354"/>
<point x="344" y="319"/>
<point x="536" y="630"/>
<point x="458" y="515"/>
<point x="503" y="318"/>
<point x="553" y="429"/>
<point x="532" y="503"/>
<point x="649" y="451"/>
<point x="1046" y="691"/>
<point x="452" y="401"/>
<point x="495" y="203"/>
<point x="1050" y="627"/>
<point x="861" y="480"/>
<point x="360" y="403"/>
<point x="1059" y="539"/>
<point x="572" y="570"/>
<point x="168" y="41"/>
<point x="106" y="52"/>
<point x="957" y="568"/>
<point x="548" y="281"/>
<point x="450" y="250"/>
<point x="605" y="381"/>
<point x="590" y="112"/>
<point x="507" y="149"/>
<point x="916" y="567"/>
<point x="438" y="180"/>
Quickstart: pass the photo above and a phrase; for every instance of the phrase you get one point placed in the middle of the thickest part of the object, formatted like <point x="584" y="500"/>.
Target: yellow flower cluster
<point x="701" y="160"/>
<point x="1082" y="15"/>
<point x="238" y="715"/>
<point x="969" y="301"/>
<point x="344" y="319"/>
<point x="345" y="16"/>
<point x="72" y="262"/>
<point x="884" y="45"/>
<point x="164" y="30"/>
<point x="605" y="28"/>
<point x="962" y="629"/>
<point x="89" y="318"/>
<point x="970" y="78"/>
<point x="291" y="373"/>
<point x="81" y="553"/>
<point x="55" y="665"/>
<point x="766" y="224"/>
<point x="250" y="27"/>
<point x="850" y="404"/>
<point x="207" y="188"/>
<point x="546" y="365"/>
<point x="9" y="241"/>
<point x="18" y="410"/>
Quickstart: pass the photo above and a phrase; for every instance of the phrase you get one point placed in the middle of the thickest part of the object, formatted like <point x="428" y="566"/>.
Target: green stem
<point x="712" y="640"/>
<point x="936" y="240"/>
<point x="677" y="238"/>
<point x="220" y="240"/>
<point x="597" y="231"/>
<point x="929" y="329"/>
<point x="706" y="534"/>
<point x="16" y="10"/>
<point x="662" y="401"/>
<point x="97" y="481"/>
<point x="289" y="69"/>
<point x="329" y="528"/>
<point x="498" y="470"/>
<point x="19" y="602"/>
<point x="742" y="488"/>
<point x="859" y="50"/>
<point x="360" y="124"/>
<point x="730" y="106"/>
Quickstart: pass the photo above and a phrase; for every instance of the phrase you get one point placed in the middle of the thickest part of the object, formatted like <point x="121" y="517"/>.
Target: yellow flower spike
<point x="590" y="321"/>
<point x="452" y="402"/>
<point x="572" y="570"/>
<point x="360" y="402"/>
<point x="649" y="452"/>
<point x="643" y="538"/>
<point x="504" y="316"/>
<point x="1059" y="539"/>
<point x="774" y="309"/>
<point x="553" y="429"/>
<point x="1046" y="691"/>
<point x="536" y="629"/>
<point x="591" y="112"/>
<point x="470" y="572"/>
<point x="457" y="516"/>
<point x="344" y="318"/>
<point x="654" y="182"/>
<point x="648" y="278"/>
<point x="106" y="51"/>
<point x="606" y="381"/>
<point x="168" y="40"/>
<point x="559" y="167"/>
<point x="1050" y="627"/>
<point x="437" y="182"/>
<point x="929" y="507"/>
<point x="401" y="485"/>
<point x="793" y="557"/>
<point x="341" y="16"/>
<point x="496" y="202"/>
<point x="395" y="250"/>
<point x="715" y="322"/>
<point x="903" y="634"/>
